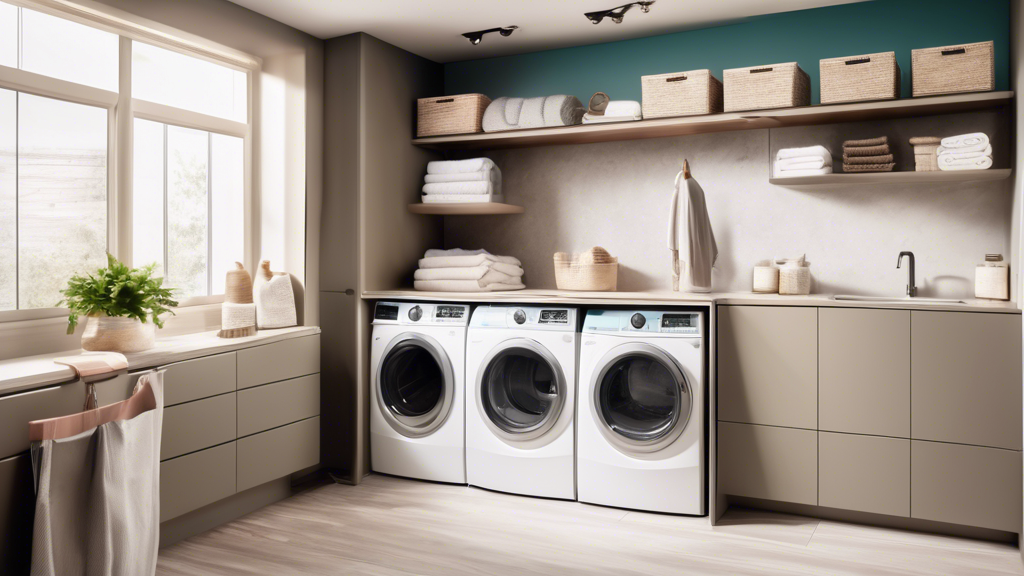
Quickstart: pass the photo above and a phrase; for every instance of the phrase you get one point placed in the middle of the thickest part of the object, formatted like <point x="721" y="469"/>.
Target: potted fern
<point x="121" y="306"/>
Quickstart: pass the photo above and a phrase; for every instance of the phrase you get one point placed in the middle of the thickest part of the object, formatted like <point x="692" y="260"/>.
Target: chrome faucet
<point x="911" y="285"/>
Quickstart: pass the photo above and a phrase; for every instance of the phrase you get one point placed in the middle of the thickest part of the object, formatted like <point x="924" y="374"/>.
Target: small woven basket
<point x="462" y="114"/>
<point x="953" y="69"/>
<point x="681" y="94"/>
<point x="588" y="277"/>
<point x="795" y="280"/>
<point x="860" y="78"/>
<point x="763" y="87"/>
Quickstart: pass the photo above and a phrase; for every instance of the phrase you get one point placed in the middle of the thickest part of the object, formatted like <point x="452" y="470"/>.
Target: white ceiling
<point x="433" y="28"/>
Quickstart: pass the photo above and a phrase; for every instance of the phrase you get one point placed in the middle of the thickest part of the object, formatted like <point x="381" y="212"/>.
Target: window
<point x="59" y="106"/>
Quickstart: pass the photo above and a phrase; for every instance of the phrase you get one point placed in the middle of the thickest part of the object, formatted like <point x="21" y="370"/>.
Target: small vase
<point x="108" y="334"/>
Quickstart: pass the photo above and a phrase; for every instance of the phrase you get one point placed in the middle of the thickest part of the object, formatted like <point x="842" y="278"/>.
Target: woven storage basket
<point x="860" y="78"/>
<point x="762" y="87"/>
<point x="462" y="114"/>
<point x="953" y="69"/>
<point x="681" y="94"/>
<point x="597" y="277"/>
<point x="795" y="280"/>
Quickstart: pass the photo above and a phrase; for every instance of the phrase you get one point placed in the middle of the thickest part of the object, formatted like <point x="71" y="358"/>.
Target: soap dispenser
<point x="992" y="278"/>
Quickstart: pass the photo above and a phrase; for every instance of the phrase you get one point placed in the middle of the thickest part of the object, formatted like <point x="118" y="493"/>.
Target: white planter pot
<point x="107" y="334"/>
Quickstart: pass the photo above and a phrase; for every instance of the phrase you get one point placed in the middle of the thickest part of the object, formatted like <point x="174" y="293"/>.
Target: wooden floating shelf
<point x="666" y="127"/>
<point x="936" y="177"/>
<point x="467" y="209"/>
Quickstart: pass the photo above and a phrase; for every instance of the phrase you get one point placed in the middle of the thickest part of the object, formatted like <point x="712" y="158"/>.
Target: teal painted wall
<point x="806" y="37"/>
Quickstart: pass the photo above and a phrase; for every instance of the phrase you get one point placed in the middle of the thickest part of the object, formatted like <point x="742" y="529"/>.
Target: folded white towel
<point x="799" y="173"/>
<point x="477" y="187"/>
<point x="624" y="108"/>
<point x="456" y="166"/>
<point x="461" y="198"/>
<point x="507" y="272"/>
<point x="482" y="176"/>
<point x="812" y="165"/>
<point x="463" y="260"/>
<point x="816" y="151"/>
<point x="588" y="119"/>
<point x="969" y="152"/>
<point x="817" y="161"/>
<point x="462" y="286"/>
<point x="965" y="140"/>
<point x="948" y="163"/>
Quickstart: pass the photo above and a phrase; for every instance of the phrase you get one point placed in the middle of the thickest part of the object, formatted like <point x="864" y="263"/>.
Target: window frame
<point x="122" y="109"/>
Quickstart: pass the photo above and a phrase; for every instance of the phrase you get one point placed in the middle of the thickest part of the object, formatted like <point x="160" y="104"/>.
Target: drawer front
<point x="864" y="371"/>
<point x="968" y="485"/>
<point x="271" y="405"/>
<point x="966" y="378"/>
<point x="199" y="378"/>
<point x="768" y="462"/>
<point x="197" y="425"/>
<point x="865" y="473"/>
<point x="768" y="365"/>
<point x="193" y="481"/>
<point x="17" y="508"/>
<point x="278" y="361"/>
<point x="279" y="452"/>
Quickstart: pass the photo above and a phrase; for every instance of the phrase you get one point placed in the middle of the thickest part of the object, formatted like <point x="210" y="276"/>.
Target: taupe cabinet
<point x="231" y="422"/>
<point x="897" y="412"/>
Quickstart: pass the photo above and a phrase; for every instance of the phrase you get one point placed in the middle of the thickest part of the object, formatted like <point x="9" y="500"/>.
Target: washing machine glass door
<point x="521" y="389"/>
<point x="641" y="397"/>
<point x="415" y="384"/>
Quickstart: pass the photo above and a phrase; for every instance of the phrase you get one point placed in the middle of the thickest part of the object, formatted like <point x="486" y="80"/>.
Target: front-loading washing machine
<point x="520" y="400"/>
<point x="640" y="411"/>
<point x="417" y="415"/>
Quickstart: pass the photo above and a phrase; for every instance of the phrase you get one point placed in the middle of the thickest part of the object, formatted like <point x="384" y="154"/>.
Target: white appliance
<point x="520" y="399"/>
<point x="640" y="411"/>
<point x="417" y="415"/>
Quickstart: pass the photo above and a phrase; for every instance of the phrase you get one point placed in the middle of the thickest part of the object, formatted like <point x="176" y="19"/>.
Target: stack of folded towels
<point x="460" y="270"/>
<point x="871" y="155"/>
<point x="965" y="152"/>
<point x="459" y="181"/>
<point x="810" y="161"/>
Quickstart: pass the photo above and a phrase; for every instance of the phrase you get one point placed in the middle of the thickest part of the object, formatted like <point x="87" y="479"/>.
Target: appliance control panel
<point x="413" y="313"/>
<point x="644" y="322"/>
<point x="525" y="317"/>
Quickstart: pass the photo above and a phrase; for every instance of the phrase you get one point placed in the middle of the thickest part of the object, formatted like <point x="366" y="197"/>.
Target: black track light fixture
<point x="476" y="37"/>
<point x="618" y="12"/>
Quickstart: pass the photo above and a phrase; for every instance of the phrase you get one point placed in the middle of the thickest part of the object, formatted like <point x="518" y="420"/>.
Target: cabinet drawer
<point x="17" y="508"/>
<point x="966" y="383"/>
<point x="768" y="365"/>
<point x="864" y="371"/>
<point x="271" y="405"/>
<point x="768" y="462"/>
<point x="193" y="481"/>
<point x="270" y="455"/>
<point x="199" y="378"/>
<point x="865" y="473"/>
<point x="196" y="425"/>
<point x="278" y="361"/>
<point x="967" y="485"/>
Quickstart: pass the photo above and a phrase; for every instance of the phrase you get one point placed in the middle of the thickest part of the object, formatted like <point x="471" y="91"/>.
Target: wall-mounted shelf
<point x="937" y="177"/>
<point x="474" y="209"/>
<point x="665" y="127"/>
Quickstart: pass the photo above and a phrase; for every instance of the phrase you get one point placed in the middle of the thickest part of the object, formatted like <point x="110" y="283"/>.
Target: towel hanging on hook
<point x="690" y="238"/>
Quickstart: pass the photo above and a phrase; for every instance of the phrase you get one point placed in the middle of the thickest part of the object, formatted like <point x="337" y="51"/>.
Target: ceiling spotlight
<point x="618" y="12"/>
<point x="476" y="37"/>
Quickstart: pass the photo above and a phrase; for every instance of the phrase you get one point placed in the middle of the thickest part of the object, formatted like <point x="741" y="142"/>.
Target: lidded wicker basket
<point x="681" y="94"/>
<point x="860" y="78"/>
<point x="461" y="114"/>
<point x="953" y="69"/>
<point x="594" y="270"/>
<point x="763" y="87"/>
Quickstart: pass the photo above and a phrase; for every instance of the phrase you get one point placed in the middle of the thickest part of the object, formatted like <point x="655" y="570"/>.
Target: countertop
<point x="20" y="374"/>
<point x="668" y="298"/>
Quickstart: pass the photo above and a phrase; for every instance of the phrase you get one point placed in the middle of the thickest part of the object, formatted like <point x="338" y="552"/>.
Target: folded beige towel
<point x="916" y="140"/>
<point x="867" y="159"/>
<point x="879" y="150"/>
<point x="868" y="142"/>
<point x="868" y="167"/>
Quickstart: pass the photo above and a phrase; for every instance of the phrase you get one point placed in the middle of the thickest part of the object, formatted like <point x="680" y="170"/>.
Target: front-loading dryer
<point x="640" y="411"/>
<point x="417" y="415"/>
<point x="520" y="400"/>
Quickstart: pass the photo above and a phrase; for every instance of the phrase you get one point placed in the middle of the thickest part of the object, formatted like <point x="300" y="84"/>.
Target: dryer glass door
<point x="522" y="389"/>
<point x="415" y="384"/>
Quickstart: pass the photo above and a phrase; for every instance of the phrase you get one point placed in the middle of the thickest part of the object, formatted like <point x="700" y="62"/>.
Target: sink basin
<point x="890" y="300"/>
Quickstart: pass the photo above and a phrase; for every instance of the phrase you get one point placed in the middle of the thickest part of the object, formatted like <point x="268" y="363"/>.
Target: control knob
<point x="519" y="316"/>
<point x="415" y="313"/>
<point x="638" y="321"/>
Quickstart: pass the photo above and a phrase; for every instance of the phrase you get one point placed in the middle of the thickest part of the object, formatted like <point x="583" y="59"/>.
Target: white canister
<point x="992" y="278"/>
<point x="766" y="279"/>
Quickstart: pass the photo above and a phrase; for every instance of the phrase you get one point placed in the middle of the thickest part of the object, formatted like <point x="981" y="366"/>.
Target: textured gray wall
<point x="616" y="195"/>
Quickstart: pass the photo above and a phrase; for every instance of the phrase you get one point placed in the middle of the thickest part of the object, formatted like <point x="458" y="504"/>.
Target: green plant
<point x="119" y="291"/>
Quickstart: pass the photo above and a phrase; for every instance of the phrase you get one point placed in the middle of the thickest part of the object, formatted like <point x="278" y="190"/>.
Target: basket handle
<point x="759" y="70"/>
<point x="858" y="61"/>
<point x="676" y="78"/>
<point x="954" y="51"/>
<point x="444" y="101"/>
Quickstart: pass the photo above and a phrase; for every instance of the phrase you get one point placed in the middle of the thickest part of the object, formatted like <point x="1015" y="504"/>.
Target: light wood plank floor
<point x="390" y="526"/>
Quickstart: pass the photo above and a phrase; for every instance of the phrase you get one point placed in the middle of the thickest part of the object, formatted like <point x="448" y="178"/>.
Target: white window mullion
<point x="122" y="152"/>
<point x="187" y="119"/>
<point x="32" y="83"/>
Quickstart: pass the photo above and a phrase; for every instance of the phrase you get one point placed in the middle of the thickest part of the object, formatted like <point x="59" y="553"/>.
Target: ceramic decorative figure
<point x="238" y="313"/>
<point x="274" y="298"/>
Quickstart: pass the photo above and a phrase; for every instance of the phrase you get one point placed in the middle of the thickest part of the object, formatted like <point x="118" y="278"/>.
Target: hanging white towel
<point x="458" y="166"/>
<point x="965" y="140"/>
<point x="690" y="234"/>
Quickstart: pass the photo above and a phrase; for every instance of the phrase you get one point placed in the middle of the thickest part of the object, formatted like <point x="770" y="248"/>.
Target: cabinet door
<point x="196" y="425"/>
<point x="17" y="509"/>
<point x="271" y="405"/>
<point x="279" y="452"/>
<point x="199" y="378"/>
<point x="192" y="481"/>
<point x="864" y="371"/>
<point x="768" y="365"/>
<point x="969" y="485"/>
<point x="865" y="473"/>
<point x="966" y="378"/>
<point x="768" y="462"/>
<point x="278" y="361"/>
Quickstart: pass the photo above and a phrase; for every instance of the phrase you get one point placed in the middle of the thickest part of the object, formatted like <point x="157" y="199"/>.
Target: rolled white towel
<point x="478" y="187"/>
<point x="799" y="173"/>
<point x="969" y="152"/>
<point x="818" y="151"/>
<point x="461" y="198"/>
<point x="804" y="162"/>
<point x="948" y="163"/>
<point x="482" y="176"/>
<point x="456" y="166"/>
<point x="965" y="140"/>
<point x="463" y="286"/>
